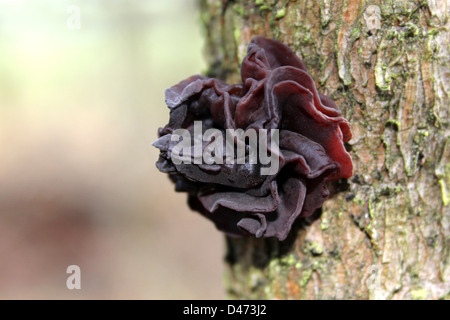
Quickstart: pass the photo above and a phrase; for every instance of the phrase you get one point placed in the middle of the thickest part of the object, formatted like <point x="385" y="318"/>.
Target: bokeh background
<point x="79" y="109"/>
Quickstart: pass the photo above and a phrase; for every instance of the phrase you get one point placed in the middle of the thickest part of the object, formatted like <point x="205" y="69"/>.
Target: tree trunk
<point x="386" y="233"/>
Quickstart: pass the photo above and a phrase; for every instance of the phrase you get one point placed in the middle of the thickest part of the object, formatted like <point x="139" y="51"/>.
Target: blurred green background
<point x="79" y="109"/>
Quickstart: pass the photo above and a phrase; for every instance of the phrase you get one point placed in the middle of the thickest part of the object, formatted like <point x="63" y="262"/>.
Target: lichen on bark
<point x="386" y="232"/>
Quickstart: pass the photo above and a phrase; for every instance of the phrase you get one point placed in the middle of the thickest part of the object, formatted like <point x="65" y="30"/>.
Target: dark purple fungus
<point x="297" y="128"/>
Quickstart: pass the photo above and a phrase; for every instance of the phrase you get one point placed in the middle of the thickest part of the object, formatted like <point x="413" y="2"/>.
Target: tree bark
<point x="386" y="232"/>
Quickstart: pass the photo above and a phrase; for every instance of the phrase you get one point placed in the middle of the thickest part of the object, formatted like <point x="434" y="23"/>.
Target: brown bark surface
<point x="386" y="233"/>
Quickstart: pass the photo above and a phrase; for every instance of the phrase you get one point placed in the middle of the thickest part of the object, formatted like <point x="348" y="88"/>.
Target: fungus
<point x="299" y="129"/>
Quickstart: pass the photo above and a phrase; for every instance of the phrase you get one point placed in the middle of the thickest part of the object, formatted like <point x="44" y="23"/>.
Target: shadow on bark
<point x="259" y="252"/>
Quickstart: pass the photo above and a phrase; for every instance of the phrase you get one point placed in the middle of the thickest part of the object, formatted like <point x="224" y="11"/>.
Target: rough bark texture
<point x="386" y="233"/>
